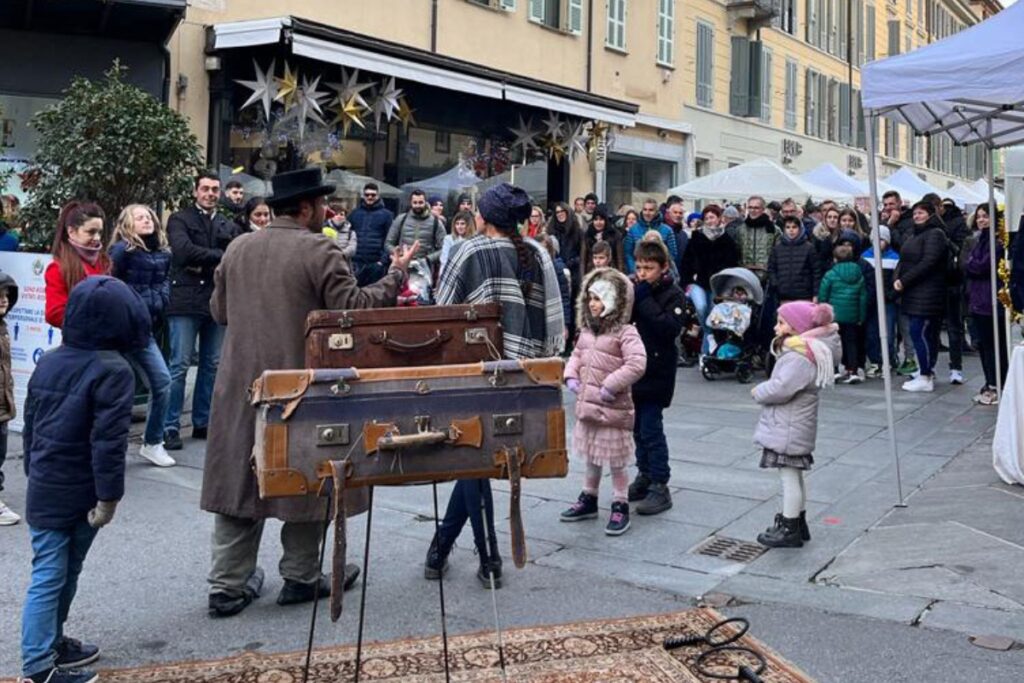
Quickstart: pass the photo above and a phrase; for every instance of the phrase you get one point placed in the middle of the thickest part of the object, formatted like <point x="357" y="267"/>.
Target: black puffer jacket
<point x="957" y="232"/>
<point x="658" y="316"/>
<point x="615" y="240"/>
<point x="197" y="245"/>
<point x="794" y="269"/>
<point x="903" y="230"/>
<point x="704" y="257"/>
<point x="922" y="271"/>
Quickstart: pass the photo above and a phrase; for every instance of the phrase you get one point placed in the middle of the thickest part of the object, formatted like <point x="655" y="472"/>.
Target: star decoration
<point x="287" y="88"/>
<point x="264" y="88"/>
<point x="387" y="102"/>
<point x="307" y="106"/>
<point x="347" y="114"/>
<point x="599" y="132"/>
<point x="577" y="142"/>
<point x="525" y="136"/>
<point x="405" y="114"/>
<point x="553" y="126"/>
<point x="556" y="150"/>
<point x="349" y="89"/>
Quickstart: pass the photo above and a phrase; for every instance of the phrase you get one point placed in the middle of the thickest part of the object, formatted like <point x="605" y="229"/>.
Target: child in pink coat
<point x="608" y="359"/>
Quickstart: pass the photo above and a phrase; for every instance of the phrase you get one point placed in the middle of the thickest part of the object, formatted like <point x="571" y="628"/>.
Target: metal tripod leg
<point x="362" y="592"/>
<point x="440" y="588"/>
<point x="316" y="593"/>
<point x="491" y="541"/>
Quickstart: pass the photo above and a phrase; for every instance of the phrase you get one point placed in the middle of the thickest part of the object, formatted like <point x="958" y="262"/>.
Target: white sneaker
<point x="956" y="377"/>
<point x="8" y="517"/>
<point x="920" y="383"/>
<point x="157" y="455"/>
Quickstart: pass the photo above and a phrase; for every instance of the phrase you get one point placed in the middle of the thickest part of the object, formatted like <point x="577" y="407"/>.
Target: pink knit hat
<point x="803" y="315"/>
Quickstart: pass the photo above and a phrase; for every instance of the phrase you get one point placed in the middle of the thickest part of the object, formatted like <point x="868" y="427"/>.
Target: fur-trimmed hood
<point x="624" y="297"/>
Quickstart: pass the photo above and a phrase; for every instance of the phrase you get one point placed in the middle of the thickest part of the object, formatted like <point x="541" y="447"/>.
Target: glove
<point x="573" y="384"/>
<point x="101" y="515"/>
<point x="607" y="396"/>
<point x="643" y="290"/>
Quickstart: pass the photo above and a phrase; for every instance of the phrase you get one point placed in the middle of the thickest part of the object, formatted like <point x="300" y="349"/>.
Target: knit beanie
<point x="605" y="291"/>
<point x="885" y="234"/>
<point x="804" y="315"/>
<point x="505" y="206"/>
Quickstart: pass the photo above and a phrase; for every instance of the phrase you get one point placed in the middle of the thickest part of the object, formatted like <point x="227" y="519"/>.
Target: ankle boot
<point x="805" y="531"/>
<point x="775" y="524"/>
<point x="436" y="563"/>
<point x="490" y="564"/>
<point x="787" y="535"/>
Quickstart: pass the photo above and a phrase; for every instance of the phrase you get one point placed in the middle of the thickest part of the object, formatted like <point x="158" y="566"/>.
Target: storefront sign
<point x="30" y="334"/>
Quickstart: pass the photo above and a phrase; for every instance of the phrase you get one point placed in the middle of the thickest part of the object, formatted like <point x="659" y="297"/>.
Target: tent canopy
<point x="965" y="85"/>
<point x="758" y="177"/>
<point x="457" y="178"/>
<point x="980" y="186"/>
<point x="347" y="182"/>
<point x="910" y="187"/>
<point x="965" y="195"/>
<point x="830" y="177"/>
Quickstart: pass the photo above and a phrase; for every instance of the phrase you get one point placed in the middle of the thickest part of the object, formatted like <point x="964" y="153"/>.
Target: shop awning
<point x="136" y="20"/>
<point x="346" y="48"/>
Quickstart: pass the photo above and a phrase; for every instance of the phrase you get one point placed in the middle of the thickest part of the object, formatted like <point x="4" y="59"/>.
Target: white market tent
<point x="964" y="86"/>
<point x="456" y="179"/>
<point x="347" y="182"/>
<point x="758" y="177"/>
<point x="965" y="195"/>
<point x="830" y="177"/>
<point x="910" y="186"/>
<point x="980" y="186"/>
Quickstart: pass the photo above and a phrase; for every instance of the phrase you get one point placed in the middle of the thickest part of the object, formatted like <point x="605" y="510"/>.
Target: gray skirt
<point x="770" y="458"/>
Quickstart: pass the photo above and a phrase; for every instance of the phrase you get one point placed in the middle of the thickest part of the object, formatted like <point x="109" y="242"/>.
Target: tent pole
<point x="993" y="230"/>
<point x="870" y="122"/>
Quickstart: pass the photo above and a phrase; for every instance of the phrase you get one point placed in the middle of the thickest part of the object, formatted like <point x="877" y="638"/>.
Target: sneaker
<point x="981" y="394"/>
<point x="8" y="517"/>
<point x="956" y="377"/>
<point x="58" y="675"/>
<point x="925" y="383"/>
<point x="841" y="377"/>
<point x="873" y="371"/>
<point x="156" y="454"/>
<point x="638" y="489"/>
<point x="199" y="432"/>
<point x="989" y="397"/>
<point x="658" y="500"/>
<point x="908" y="368"/>
<point x="585" y="507"/>
<point x="853" y="378"/>
<point x="74" y="654"/>
<point x="172" y="440"/>
<point x="618" y="522"/>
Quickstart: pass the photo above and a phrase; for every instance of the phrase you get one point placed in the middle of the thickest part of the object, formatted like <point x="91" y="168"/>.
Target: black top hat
<point x="306" y="183"/>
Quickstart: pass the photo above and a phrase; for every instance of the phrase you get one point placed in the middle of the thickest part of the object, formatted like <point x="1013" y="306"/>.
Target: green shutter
<point x="870" y="34"/>
<point x="739" y="87"/>
<point x="810" y="81"/>
<point x="844" y="113"/>
<point x="756" y="74"/>
<point x="537" y="10"/>
<point x="576" y="16"/>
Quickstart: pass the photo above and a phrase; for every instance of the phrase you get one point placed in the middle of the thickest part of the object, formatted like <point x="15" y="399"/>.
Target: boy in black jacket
<point x="658" y="309"/>
<point x="794" y="269"/>
<point x="77" y="414"/>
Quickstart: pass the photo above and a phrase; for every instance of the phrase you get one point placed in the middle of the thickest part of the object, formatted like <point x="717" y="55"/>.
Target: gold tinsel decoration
<point x="1003" y="272"/>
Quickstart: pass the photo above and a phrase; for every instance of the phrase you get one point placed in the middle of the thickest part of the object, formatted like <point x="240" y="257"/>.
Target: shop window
<point x="705" y="64"/>
<point x="631" y="180"/>
<point x="18" y="141"/>
<point x="616" y="33"/>
<point x="562" y="15"/>
<point x="666" y="31"/>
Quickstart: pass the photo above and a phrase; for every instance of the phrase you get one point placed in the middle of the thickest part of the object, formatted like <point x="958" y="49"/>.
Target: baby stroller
<point x="733" y="348"/>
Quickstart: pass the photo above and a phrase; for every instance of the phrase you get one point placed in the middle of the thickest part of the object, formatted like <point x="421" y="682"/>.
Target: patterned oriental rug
<point x="619" y="650"/>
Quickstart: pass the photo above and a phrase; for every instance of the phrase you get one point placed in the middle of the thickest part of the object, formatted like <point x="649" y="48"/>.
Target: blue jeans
<point x="699" y="298"/>
<point x="184" y="329"/>
<point x="874" y="338"/>
<point x="57" y="557"/>
<point x="924" y="332"/>
<point x="651" y="446"/>
<point x="151" y="365"/>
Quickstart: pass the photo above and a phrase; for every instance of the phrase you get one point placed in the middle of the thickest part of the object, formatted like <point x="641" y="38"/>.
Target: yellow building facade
<point x="688" y="86"/>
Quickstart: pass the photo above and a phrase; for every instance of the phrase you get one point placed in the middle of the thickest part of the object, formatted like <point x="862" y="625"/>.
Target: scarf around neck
<point x="88" y="254"/>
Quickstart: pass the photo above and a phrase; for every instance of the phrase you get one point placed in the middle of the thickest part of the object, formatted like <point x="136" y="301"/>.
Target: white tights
<point x="794" y="492"/>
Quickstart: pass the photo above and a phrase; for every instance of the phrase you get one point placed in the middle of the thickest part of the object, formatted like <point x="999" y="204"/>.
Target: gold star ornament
<point x="287" y="87"/>
<point x="405" y="114"/>
<point x="347" y="114"/>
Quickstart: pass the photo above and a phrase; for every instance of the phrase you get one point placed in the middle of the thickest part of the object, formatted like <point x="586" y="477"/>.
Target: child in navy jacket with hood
<point x="77" y="415"/>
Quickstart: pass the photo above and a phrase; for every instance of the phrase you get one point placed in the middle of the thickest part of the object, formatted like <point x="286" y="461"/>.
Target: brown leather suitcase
<point x="389" y="426"/>
<point x="403" y="337"/>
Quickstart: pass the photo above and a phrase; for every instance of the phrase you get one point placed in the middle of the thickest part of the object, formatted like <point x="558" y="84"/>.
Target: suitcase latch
<point x="332" y="435"/>
<point x="472" y="315"/>
<point x="476" y="335"/>
<point x="342" y="341"/>
<point x="508" y="424"/>
<point x="345" y="320"/>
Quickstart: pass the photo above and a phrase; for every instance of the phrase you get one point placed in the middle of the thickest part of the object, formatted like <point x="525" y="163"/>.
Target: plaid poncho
<point x="485" y="269"/>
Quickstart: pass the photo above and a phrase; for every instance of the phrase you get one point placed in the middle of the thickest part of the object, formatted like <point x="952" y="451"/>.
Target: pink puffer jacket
<point x="610" y="354"/>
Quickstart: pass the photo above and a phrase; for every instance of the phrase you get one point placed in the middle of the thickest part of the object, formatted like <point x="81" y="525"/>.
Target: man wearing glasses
<point x="371" y="222"/>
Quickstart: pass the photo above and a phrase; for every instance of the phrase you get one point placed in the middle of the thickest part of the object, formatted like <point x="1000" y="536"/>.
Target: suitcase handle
<point x="394" y="442"/>
<point x="382" y="338"/>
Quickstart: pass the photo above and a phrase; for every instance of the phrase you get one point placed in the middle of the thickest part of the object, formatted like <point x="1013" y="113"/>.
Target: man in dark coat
<point x="266" y="285"/>
<point x="897" y="217"/>
<point x="957" y="233"/>
<point x="371" y="222"/>
<point x="198" y="236"/>
<point x="794" y="268"/>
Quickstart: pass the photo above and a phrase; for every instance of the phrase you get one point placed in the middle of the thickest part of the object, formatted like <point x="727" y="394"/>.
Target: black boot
<point x="776" y="524"/>
<point x="436" y="563"/>
<point x="490" y="563"/>
<point x="787" y="535"/>
<point x="228" y="605"/>
<point x="638" y="489"/>
<point x="805" y="531"/>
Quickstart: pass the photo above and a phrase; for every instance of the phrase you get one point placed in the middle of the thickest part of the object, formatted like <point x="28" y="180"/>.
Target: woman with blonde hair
<point x="141" y="258"/>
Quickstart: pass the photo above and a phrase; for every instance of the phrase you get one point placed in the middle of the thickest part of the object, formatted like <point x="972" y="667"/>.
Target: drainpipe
<point x="433" y="25"/>
<point x="590" y="42"/>
<point x="166" y="52"/>
<point x="849" y="72"/>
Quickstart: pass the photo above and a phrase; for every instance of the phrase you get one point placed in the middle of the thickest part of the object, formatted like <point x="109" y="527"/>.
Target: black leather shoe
<point x="172" y="441"/>
<point x="228" y="605"/>
<point x="295" y="592"/>
<point x="197" y="433"/>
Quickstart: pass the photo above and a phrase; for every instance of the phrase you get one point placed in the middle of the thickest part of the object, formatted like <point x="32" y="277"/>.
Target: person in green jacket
<point x="844" y="288"/>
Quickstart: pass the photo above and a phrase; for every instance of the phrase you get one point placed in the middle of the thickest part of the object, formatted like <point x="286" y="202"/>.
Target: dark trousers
<point x="471" y="501"/>
<point x="651" y="446"/>
<point x="874" y="338"/>
<point x="851" y="336"/>
<point x="986" y="342"/>
<point x="955" y="326"/>
<point x="926" y="333"/>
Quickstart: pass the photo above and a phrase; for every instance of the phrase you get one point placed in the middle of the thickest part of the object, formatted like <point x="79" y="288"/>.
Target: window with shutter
<point x="894" y="37"/>
<point x="537" y="10"/>
<point x="791" y="94"/>
<point x="739" y="86"/>
<point x="812" y="22"/>
<point x="705" y="64"/>
<point x="616" y="34"/>
<point x="666" y="31"/>
<point x="575" y="16"/>
<point x="858" y="32"/>
<point x="823" y="112"/>
<point x="811" y="103"/>
<point x="859" y="123"/>
<point x="869" y="33"/>
<point x="844" y="113"/>
<point x="508" y="5"/>
<point x="766" y="85"/>
<point x="756" y="72"/>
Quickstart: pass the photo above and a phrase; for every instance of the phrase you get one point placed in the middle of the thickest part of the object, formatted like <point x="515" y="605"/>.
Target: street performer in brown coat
<point x="266" y="284"/>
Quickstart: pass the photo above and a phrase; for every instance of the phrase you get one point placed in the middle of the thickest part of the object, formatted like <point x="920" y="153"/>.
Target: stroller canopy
<point x="724" y="281"/>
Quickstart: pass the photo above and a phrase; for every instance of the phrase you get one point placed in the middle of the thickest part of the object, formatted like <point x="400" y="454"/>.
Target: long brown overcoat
<point x="266" y="284"/>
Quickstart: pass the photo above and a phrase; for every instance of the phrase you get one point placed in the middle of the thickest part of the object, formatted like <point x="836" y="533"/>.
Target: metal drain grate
<point x="730" y="549"/>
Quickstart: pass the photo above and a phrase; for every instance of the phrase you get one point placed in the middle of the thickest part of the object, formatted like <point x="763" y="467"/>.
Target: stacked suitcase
<point x="413" y="395"/>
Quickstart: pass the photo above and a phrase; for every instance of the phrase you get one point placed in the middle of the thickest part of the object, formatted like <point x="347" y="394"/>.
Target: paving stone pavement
<point x="947" y="565"/>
